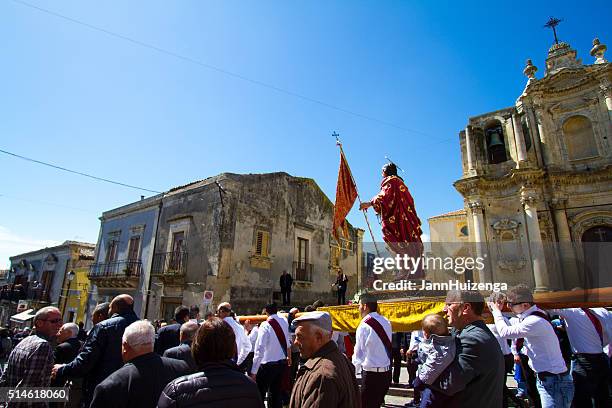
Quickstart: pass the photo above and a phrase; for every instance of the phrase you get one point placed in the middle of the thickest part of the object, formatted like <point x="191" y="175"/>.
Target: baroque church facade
<point x="537" y="181"/>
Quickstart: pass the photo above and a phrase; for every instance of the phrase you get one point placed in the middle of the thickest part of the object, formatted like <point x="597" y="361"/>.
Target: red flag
<point x="346" y="193"/>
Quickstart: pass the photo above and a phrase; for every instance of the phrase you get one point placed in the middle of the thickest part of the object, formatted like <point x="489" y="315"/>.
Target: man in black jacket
<point x="183" y="350"/>
<point x="141" y="380"/>
<point x="169" y="336"/>
<point x="101" y="354"/>
<point x="286" y="281"/>
<point x="476" y="377"/>
<point x="220" y="383"/>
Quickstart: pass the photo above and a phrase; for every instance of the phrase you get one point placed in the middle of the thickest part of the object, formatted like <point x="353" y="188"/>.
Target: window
<point x="302" y="251"/>
<point x="335" y="256"/>
<point x="134" y="248"/>
<point x="111" y="251"/>
<point x="579" y="138"/>
<point x="262" y="243"/>
<point x="46" y="284"/>
<point x="178" y="247"/>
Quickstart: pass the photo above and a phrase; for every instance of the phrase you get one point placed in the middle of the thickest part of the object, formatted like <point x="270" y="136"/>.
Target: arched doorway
<point x="597" y="248"/>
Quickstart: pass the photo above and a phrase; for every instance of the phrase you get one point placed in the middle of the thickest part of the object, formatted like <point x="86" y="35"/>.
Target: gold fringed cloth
<point x="404" y="316"/>
<point x="407" y="315"/>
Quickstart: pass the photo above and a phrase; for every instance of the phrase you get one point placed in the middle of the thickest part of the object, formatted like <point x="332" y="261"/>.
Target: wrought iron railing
<point x="126" y="268"/>
<point x="169" y="263"/>
<point x="302" y="271"/>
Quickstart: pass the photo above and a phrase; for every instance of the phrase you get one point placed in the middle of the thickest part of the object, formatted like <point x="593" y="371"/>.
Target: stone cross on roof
<point x="552" y="23"/>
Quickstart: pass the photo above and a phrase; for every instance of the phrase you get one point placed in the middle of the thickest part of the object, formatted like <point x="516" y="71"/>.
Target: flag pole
<point x="365" y="214"/>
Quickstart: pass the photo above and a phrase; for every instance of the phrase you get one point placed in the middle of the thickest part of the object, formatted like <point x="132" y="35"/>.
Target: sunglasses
<point x="513" y="303"/>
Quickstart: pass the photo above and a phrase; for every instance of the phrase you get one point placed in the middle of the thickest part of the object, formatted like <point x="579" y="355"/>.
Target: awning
<point x="22" y="317"/>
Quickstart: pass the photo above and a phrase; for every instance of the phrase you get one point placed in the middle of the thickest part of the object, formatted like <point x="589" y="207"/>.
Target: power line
<point x="46" y="203"/>
<point x="221" y="70"/>
<point x="78" y="172"/>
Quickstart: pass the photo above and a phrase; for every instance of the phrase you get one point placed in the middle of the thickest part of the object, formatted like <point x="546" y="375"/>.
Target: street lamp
<point x="70" y="275"/>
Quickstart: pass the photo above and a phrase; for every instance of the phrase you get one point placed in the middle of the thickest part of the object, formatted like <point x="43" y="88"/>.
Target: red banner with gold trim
<point x="346" y="194"/>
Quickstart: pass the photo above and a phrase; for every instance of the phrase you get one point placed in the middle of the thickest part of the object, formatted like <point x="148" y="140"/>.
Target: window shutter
<point x="265" y="247"/>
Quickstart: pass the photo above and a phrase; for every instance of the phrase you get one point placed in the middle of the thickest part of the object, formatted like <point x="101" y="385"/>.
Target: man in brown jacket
<point x="327" y="379"/>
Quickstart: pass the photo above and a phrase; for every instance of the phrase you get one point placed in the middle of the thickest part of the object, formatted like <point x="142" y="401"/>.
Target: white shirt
<point x="416" y="337"/>
<point x="267" y="346"/>
<point x="503" y="343"/>
<point x="582" y="334"/>
<point x="243" y="345"/>
<point x="369" y="349"/>
<point x="253" y="336"/>
<point x="541" y="343"/>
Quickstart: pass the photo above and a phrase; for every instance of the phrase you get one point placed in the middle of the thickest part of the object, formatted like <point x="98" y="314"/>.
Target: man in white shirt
<point x="589" y="332"/>
<point x="243" y="345"/>
<point x="272" y="355"/>
<point x="554" y="382"/>
<point x="372" y="354"/>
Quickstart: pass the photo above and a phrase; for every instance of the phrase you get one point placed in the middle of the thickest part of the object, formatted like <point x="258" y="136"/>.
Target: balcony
<point x="116" y="274"/>
<point x="302" y="271"/>
<point x="170" y="267"/>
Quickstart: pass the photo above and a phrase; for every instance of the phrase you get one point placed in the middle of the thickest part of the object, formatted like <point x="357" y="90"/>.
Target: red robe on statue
<point x="401" y="227"/>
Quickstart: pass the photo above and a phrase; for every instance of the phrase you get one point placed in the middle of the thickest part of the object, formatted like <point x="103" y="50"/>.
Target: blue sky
<point x="409" y="74"/>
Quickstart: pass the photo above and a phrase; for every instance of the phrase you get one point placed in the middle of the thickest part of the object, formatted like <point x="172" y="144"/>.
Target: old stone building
<point x="46" y="277"/>
<point x="537" y="180"/>
<point x="230" y="234"/>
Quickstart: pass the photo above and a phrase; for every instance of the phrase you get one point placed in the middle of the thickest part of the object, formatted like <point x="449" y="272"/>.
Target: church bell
<point x="495" y="140"/>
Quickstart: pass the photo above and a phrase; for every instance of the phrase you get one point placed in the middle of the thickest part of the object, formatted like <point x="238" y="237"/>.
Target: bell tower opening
<point x="496" y="146"/>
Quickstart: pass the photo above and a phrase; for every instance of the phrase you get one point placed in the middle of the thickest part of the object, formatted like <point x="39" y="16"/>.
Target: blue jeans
<point x="556" y="390"/>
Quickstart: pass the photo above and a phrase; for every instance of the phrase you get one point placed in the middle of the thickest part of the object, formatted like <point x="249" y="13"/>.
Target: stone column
<point x="480" y="241"/>
<point x="469" y="147"/>
<point x="567" y="252"/>
<point x="536" y="132"/>
<point x="538" y="260"/>
<point x="519" y="139"/>
<point x="606" y="90"/>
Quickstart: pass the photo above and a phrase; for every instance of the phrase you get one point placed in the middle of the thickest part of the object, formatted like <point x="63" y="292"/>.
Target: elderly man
<point x="243" y="345"/>
<point x="30" y="362"/>
<point x="100" y="313"/>
<point x="327" y="379"/>
<point x="475" y="378"/>
<point x="141" y="380"/>
<point x="183" y="350"/>
<point x="68" y="346"/>
<point x="101" y="354"/>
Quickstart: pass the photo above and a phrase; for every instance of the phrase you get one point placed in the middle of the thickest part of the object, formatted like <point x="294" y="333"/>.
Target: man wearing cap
<point x="372" y="353"/>
<point x="327" y="379"/>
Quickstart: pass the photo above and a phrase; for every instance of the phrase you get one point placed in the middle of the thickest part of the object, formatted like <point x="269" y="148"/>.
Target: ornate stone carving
<point x="585" y="220"/>
<point x="598" y="51"/>
<point x="510" y="256"/>
<point x="530" y="70"/>
<point x="529" y="200"/>
<point x="560" y="56"/>
<point x="558" y="203"/>
<point x="505" y="224"/>
<point x="475" y="207"/>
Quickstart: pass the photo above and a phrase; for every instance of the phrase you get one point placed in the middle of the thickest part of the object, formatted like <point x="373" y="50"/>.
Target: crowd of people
<point x="455" y="360"/>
